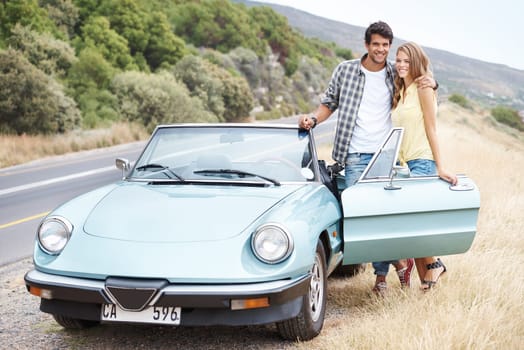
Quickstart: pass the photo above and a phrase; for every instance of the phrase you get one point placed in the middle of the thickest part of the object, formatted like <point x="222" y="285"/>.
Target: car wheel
<point x="308" y="323"/>
<point x="349" y="270"/>
<point x="73" y="323"/>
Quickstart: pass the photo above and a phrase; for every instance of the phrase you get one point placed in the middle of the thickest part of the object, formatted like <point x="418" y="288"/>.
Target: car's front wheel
<point x="308" y="323"/>
<point x="73" y="323"/>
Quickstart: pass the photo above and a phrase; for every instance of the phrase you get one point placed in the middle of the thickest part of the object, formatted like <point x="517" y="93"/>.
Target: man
<point x="362" y="91"/>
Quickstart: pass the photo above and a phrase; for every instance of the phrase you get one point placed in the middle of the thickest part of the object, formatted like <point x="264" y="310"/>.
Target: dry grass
<point x="21" y="149"/>
<point x="479" y="302"/>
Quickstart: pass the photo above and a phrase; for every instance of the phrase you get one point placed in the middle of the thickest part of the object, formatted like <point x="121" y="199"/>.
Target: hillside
<point x="489" y="83"/>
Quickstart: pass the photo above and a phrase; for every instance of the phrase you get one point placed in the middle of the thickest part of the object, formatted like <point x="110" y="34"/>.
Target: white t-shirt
<point x="373" y="121"/>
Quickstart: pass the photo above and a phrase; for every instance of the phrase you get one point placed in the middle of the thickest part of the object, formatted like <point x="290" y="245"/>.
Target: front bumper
<point x="82" y="298"/>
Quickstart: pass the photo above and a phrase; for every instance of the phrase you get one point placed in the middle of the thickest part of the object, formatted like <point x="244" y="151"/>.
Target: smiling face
<point x="378" y="49"/>
<point x="402" y="65"/>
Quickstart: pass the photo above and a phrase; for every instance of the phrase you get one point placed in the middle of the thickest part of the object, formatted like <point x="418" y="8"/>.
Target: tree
<point x="163" y="48"/>
<point x="97" y="34"/>
<point x="129" y="21"/>
<point x="89" y="79"/>
<point x="63" y="13"/>
<point x="31" y="101"/>
<point x="153" y="99"/>
<point x="216" y="24"/>
<point x="51" y="55"/>
<point x="236" y="94"/>
<point x="247" y="62"/>
<point x="25" y="13"/>
<point x="282" y="39"/>
<point x="227" y="96"/>
<point x="196" y="76"/>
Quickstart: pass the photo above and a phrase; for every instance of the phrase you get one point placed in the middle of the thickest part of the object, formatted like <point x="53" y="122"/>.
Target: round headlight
<point x="54" y="233"/>
<point x="271" y="243"/>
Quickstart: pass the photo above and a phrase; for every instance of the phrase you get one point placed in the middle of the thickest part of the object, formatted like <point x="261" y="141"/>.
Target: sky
<point x="488" y="30"/>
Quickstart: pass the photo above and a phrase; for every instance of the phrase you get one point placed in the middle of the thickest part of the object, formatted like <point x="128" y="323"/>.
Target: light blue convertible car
<point x="236" y="224"/>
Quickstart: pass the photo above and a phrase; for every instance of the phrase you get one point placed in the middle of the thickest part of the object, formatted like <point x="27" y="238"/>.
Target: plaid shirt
<point x="344" y="93"/>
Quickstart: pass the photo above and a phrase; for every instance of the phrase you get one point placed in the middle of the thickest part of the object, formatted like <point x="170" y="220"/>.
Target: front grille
<point x="132" y="294"/>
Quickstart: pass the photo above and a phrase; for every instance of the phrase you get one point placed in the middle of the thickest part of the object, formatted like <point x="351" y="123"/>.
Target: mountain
<point x="488" y="83"/>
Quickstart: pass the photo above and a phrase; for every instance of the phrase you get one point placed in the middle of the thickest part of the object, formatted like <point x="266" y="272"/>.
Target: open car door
<point x="389" y="216"/>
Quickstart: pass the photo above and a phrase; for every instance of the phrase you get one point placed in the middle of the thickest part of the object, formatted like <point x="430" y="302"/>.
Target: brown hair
<point x="419" y="65"/>
<point x="380" y="28"/>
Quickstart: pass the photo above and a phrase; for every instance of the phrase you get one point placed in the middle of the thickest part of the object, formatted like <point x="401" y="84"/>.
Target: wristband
<point x="315" y="121"/>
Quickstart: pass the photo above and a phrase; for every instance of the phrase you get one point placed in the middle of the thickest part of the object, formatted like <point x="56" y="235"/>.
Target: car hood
<point x="180" y="213"/>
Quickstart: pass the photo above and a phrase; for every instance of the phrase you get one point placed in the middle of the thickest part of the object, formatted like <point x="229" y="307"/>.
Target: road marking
<point x="29" y="218"/>
<point x="72" y="158"/>
<point x="55" y="180"/>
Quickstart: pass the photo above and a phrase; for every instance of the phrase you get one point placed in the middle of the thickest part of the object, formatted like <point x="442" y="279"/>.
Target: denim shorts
<point x="356" y="163"/>
<point x="422" y="167"/>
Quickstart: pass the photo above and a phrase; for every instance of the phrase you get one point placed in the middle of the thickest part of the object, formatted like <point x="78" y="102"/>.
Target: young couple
<point x="371" y="95"/>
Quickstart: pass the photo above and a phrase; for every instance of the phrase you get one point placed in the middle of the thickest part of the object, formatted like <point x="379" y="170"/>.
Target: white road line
<point x="55" y="180"/>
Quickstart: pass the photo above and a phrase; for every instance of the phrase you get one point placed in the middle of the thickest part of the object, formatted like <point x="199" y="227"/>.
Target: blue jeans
<point x="355" y="166"/>
<point x="422" y="167"/>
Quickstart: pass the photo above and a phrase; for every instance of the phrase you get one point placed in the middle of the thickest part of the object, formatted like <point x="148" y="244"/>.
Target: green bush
<point x="63" y="13"/>
<point x="459" y="100"/>
<point x="31" y="101"/>
<point x="98" y="34"/>
<point x="153" y="99"/>
<point x="226" y="95"/>
<point x="51" y="55"/>
<point x="508" y="116"/>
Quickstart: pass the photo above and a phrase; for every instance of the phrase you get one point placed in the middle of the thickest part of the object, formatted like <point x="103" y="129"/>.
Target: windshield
<point x="226" y="153"/>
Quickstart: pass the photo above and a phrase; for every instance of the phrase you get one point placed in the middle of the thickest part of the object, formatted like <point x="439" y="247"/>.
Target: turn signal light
<point x="243" y="304"/>
<point x="42" y="293"/>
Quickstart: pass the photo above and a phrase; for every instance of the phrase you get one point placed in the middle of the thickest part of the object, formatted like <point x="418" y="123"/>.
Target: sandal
<point x="427" y="285"/>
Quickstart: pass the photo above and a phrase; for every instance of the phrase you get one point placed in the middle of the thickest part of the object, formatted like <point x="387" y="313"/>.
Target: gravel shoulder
<point x="23" y="326"/>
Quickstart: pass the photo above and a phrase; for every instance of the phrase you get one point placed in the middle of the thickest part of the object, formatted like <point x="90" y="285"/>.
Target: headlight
<point x="271" y="243"/>
<point x="54" y="233"/>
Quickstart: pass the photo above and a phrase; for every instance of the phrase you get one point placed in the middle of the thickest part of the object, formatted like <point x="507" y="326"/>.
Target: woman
<point x="415" y="110"/>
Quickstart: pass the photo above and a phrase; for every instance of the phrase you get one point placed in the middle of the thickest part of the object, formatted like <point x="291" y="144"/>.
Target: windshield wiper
<point x="240" y="173"/>
<point x="162" y="168"/>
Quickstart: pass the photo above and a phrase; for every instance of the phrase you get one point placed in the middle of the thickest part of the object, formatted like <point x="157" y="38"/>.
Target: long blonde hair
<point x="419" y="65"/>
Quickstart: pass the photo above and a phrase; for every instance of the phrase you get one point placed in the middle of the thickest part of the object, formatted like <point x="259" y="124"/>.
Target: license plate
<point x="153" y="314"/>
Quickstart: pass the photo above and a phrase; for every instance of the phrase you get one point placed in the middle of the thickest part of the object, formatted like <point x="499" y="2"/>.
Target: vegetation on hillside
<point x="70" y="64"/>
<point x="502" y="114"/>
<point x="460" y="100"/>
<point x="508" y="116"/>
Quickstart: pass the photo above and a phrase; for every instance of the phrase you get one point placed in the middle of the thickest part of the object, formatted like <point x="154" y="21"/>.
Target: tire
<point x="73" y="323"/>
<point x="308" y="323"/>
<point x="349" y="270"/>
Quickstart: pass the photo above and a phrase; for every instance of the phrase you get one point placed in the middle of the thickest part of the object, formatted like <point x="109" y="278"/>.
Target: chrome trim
<point x="290" y="248"/>
<point x="62" y="220"/>
<point x="63" y="281"/>
<point x="379" y="151"/>
<point x="47" y="279"/>
<point x="154" y="296"/>
<point x="230" y="125"/>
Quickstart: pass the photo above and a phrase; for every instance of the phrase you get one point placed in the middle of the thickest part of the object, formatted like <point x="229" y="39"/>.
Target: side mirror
<point x="400" y="171"/>
<point x="123" y="164"/>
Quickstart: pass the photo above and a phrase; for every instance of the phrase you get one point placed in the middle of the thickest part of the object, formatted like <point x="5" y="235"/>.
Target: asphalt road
<point x="29" y="191"/>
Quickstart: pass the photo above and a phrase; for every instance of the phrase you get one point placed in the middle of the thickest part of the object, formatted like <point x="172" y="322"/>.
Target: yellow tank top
<point x="408" y="114"/>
